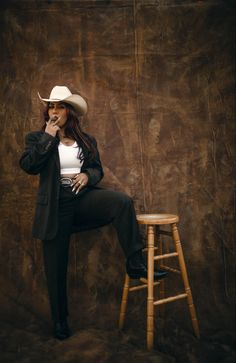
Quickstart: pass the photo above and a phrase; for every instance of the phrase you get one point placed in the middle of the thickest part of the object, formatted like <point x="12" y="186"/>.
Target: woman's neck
<point x="61" y="134"/>
<point x="68" y="141"/>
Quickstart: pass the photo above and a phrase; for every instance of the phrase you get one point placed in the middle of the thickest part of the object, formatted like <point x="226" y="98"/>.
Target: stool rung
<point x="146" y="249"/>
<point x="169" y="299"/>
<point x="164" y="267"/>
<point x="143" y="286"/>
<point x="166" y="255"/>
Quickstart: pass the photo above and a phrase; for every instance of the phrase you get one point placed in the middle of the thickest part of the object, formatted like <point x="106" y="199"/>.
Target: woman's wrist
<point x="50" y="133"/>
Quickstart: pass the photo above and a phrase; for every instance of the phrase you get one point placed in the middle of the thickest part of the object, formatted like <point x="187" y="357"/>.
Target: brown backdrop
<point x="159" y="79"/>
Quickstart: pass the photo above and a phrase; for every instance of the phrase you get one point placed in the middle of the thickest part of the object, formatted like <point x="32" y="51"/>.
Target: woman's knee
<point x="125" y="200"/>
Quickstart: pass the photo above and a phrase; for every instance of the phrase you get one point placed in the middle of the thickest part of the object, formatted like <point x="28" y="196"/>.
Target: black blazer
<point x="41" y="157"/>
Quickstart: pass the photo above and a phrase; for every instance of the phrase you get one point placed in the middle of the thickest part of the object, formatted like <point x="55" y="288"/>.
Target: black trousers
<point x="93" y="209"/>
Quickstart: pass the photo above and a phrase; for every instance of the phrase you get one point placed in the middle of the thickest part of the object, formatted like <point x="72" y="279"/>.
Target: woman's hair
<point x="73" y="130"/>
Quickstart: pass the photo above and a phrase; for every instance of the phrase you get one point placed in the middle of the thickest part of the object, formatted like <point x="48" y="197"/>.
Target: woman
<point x="68" y="162"/>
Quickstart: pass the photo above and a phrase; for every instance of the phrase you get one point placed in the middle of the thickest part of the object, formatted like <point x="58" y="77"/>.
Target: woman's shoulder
<point x="34" y="134"/>
<point x="40" y="136"/>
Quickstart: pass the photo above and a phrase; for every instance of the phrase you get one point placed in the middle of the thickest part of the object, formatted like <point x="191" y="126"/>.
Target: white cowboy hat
<point x="63" y="94"/>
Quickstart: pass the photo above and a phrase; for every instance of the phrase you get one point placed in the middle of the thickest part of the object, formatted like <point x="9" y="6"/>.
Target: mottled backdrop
<point x="159" y="76"/>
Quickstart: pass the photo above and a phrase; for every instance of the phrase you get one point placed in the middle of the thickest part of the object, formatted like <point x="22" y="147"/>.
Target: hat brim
<point x="74" y="100"/>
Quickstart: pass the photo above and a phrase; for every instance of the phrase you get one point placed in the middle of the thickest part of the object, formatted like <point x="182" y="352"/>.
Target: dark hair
<point x="73" y="130"/>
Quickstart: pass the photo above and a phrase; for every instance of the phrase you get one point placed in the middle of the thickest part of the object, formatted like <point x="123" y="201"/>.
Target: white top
<point x="69" y="162"/>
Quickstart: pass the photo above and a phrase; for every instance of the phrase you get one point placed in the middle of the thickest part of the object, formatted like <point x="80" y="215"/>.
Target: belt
<point x="66" y="182"/>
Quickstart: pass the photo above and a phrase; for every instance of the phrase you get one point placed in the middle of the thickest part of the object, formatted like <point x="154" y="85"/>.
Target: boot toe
<point x="61" y="331"/>
<point x="136" y="272"/>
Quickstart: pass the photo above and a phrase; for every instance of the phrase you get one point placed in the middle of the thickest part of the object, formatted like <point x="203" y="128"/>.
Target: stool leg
<point x="150" y="299"/>
<point x="179" y="250"/>
<point x="124" y="302"/>
<point x="161" y="289"/>
<point x="162" y="282"/>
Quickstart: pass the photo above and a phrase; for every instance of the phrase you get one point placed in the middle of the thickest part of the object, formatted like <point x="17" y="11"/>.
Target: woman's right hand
<point x="52" y="126"/>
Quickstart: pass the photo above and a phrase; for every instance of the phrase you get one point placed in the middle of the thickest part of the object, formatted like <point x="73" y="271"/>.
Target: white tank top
<point x="69" y="162"/>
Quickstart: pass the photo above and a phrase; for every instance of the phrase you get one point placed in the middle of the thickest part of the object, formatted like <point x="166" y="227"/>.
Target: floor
<point x="30" y="341"/>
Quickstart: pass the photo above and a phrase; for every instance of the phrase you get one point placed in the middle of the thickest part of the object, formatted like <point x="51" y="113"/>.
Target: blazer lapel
<point x="56" y="157"/>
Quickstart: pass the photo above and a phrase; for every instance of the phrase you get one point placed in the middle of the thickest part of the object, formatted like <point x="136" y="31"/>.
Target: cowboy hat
<point x="63" y="94"/>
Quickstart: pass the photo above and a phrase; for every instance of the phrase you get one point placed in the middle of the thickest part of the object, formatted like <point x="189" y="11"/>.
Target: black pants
<point x="95" y="208"/>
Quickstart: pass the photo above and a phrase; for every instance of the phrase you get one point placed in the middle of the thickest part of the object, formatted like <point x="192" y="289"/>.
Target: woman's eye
<point x="58" y="106"/>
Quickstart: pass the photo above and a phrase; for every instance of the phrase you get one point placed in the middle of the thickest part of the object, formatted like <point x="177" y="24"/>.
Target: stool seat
<point x="158" y="219"/>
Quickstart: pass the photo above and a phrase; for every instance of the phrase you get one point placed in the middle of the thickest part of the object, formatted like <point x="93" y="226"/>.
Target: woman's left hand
<point x="79" y="181"/>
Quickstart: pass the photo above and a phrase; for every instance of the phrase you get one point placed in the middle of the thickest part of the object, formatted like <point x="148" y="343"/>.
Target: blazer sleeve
<point x="38" y="149"/>
<point x="94" y="168"/>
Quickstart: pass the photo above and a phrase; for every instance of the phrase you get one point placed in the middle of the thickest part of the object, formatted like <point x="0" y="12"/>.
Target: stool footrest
<point x="169" y="299"/>
<point x="146" y="249"/>
<point x="143" y="286"/>
<point x="167" y="268"/>
<point x="166" y="255"/>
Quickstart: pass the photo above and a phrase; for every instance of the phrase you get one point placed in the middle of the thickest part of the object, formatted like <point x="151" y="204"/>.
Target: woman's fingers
<point x="79" y="182"/>
<point x="52" y="126"/>
<point x="55" y="122"/>
<point x="53" y="118"/>
<point x="78" y="186"/>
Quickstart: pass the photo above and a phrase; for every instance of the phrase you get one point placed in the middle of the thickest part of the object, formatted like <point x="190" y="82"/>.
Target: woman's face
<point x="59" y="110"/>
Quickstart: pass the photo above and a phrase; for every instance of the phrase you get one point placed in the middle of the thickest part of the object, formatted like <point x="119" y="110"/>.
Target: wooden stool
<point x="153" y="221"/>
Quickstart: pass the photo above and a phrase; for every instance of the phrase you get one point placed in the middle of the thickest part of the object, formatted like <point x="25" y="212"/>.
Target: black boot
<point x="136" y="267"/>
<point x="61" y="330"/>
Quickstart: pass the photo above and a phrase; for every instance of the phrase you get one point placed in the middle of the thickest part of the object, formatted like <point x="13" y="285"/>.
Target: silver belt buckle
<point x="66" y="182"/>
